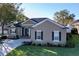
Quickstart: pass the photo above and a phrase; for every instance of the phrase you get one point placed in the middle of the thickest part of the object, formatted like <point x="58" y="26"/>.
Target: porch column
<point x="29" y="32"/>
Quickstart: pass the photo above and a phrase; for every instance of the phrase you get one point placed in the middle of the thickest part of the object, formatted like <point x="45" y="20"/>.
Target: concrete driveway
<point x="9" y="45"/>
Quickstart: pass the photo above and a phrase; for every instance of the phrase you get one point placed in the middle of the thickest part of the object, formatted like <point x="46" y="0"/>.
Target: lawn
<point x="45" y="51"/>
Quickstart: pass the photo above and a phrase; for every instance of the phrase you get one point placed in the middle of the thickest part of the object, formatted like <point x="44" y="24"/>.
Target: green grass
<point x="46" y="51"/>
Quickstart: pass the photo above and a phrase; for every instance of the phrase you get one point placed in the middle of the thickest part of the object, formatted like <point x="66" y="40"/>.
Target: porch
<point x="26" y="33"/>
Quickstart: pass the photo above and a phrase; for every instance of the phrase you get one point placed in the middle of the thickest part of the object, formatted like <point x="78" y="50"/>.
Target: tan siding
<point x="19" y="31"/>
<point x="47" y="28"/>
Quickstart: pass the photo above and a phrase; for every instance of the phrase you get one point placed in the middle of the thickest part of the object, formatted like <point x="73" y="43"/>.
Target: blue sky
<point x="34" y="10"/>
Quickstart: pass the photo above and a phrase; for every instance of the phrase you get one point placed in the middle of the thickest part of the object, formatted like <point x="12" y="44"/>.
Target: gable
<point x="48" y="26"/>
<point x="51" y="21"/>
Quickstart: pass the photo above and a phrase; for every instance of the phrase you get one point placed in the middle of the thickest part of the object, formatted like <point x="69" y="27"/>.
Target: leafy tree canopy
<point x="64" y="17"/>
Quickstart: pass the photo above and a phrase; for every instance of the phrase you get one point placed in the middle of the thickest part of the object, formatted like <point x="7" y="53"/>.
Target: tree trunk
<point x="2" y="29"/>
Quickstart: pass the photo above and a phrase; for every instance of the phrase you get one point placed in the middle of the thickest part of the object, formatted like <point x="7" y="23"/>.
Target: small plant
<point x="33" y="44"/>
<point x="49" y="44"/>
<point x="17" y="37"/>
<point x="44" y="45"/>
<point x="27" y="43"/>
<point x="39" y="44"/>
<point x="59" y="45"/>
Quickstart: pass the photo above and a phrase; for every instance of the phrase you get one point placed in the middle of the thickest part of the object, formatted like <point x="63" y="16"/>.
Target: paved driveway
<point x="9" y="45"/>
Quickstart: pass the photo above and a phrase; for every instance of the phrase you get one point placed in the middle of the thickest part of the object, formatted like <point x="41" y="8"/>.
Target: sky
<point x="35" y="10"/>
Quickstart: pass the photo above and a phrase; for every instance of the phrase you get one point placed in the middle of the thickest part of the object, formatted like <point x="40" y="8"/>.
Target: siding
<point x="47" y="28"/>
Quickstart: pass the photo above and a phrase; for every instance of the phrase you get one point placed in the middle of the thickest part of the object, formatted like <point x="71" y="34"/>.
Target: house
<point x="75" y="24"/>
<point x="69" y="26"/>
<point x="40" y="31"/>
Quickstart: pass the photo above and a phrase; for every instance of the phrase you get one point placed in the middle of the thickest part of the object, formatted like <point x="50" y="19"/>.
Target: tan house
<point x="40" y="31"/>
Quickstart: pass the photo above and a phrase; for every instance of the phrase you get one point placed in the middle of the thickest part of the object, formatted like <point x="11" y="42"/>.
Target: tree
<point x="21" y="17"/>
<point x="64" y="17"/>
<point x="8" y="13"/>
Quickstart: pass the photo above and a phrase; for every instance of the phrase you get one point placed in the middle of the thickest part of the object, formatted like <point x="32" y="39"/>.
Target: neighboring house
<point x="75" y="24"/>
<point x="69" y="28"/>
<point x="5" y="30"/>
<point x="40" y="31"/>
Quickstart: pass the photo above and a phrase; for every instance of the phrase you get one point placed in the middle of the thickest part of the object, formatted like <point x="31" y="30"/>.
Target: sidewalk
<point x="10" y="45"/>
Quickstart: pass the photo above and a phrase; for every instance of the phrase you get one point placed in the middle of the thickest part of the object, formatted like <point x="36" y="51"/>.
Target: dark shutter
<point x="22" y="31"/>
<point x="35" y="35"/>
<point x="42" y="35"/>
<point x="59" y="36"/>
<point x="52" y="35"/>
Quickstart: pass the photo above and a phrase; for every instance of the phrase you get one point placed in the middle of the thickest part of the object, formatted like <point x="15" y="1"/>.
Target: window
<point x="5" y="32"/>
<point x="56" y="36"/>
<point x="38" y="35"/>
<point x="13" y="31"/>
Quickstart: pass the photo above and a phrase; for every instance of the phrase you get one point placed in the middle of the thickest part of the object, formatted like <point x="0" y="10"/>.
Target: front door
<point x="26" y="32"/>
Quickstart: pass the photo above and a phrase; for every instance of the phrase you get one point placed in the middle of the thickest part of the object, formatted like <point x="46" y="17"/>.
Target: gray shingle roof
<point x="76" y="21"/>
<point x="37" y="20"/>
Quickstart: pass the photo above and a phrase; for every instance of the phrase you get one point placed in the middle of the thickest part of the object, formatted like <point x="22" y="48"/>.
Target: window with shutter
<point x="13" y="31"/>
<point x="38" y="35"/>
<point x="57" y="36"/>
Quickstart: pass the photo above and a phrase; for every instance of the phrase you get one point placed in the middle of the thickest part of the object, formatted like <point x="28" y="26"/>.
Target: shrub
<point x="59" y="45"/>
<point x="27" y="43"/>
<point x="49" y="44"/>
<point x="39" y="44"/>
<point x="17" y="37"/>
<point x="70" y="41"/>
<point x="34" y="44"/>
<point x="44" y="45"/>
<point x="74" y="31"/>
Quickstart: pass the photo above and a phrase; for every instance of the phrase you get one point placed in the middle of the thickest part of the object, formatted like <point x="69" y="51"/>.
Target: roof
<point x="33" y="21"/>
<point x="29" y="22"/>
<point x="37" y="20"/>
<point x="18" y="24"/>
<point x="75" y="21"/>
<point x="47" y="19"/>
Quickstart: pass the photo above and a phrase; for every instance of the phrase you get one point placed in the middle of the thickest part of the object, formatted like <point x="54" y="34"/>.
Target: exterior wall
<point x="47" y="28"/>
<point x="28" y="23"/>
<point x="19" y="31"/>
<point x="0" y="30"/>
<point x="10" y="35"/>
